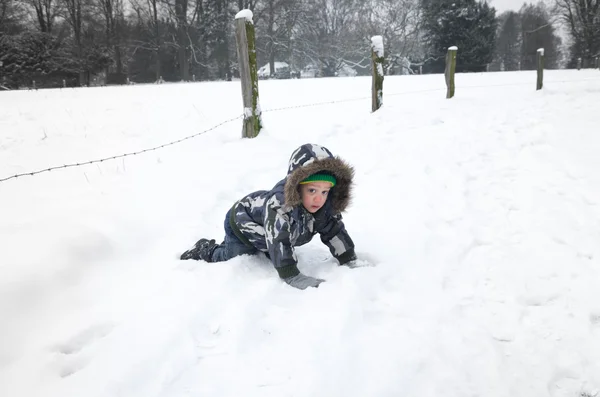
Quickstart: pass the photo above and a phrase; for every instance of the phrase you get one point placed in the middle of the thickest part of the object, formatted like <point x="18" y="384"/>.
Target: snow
<point x="481" y="215"/>
<point x="244" y="14"/>
<point x="541" y="51"/>
<point x="377" y="45"/>
<point x="453" y="48"/>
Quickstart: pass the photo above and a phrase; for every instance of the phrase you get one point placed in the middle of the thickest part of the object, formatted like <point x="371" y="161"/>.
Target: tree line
<point x="76" y="41"/>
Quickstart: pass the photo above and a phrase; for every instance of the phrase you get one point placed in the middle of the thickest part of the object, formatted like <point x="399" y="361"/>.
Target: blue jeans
<point x="231" y="246"/>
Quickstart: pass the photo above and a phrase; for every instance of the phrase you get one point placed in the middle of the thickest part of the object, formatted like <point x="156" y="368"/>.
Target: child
<point x="309" y="200"/>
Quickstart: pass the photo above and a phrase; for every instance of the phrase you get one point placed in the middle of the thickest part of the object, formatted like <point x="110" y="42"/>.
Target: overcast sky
<point x="505" y="5"/>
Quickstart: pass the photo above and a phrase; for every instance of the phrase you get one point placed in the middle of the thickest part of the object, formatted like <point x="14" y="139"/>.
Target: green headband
<point x="320" y="178"/>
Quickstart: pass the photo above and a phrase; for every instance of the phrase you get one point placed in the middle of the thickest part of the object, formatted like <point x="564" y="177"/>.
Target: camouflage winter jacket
<point x="275" y="221"/>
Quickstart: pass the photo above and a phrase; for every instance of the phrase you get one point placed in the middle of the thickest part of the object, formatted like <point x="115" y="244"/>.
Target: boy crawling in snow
<point x="309" y="200"/>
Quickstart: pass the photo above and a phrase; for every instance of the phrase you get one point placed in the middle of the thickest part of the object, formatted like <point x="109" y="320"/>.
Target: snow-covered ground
<point x="481" y="213"/>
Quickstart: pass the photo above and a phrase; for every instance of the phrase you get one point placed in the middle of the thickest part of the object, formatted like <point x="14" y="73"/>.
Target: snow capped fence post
<point x="450" y="69"/>
<point x="377" y="56"/>
<point x="540" y="69"/>
<point x="245" y="38"/>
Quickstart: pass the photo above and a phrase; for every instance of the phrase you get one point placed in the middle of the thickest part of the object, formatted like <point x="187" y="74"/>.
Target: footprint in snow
<point x="84" y="338"/>
<point x="595" y="319"/>
<point x="71" y="357"/>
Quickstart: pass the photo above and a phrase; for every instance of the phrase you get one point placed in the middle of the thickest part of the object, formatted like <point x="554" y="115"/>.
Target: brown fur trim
<point x="341" y="193"/>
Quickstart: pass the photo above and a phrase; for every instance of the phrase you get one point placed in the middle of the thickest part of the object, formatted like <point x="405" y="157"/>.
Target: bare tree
<point x="328" y="36"/>
<point x="398" y="21"/>
<point x="149" y="12"/>
<point x="74" y="16"/>
<point x="112" y="13"/>
<point x="10" y="15"/>
<point x="178" y="10"/>
<point x="181" y="9"/>
<point x="275" y="21"/>
<point x="247" y="4"/>
<point x="46" y="12"/>
<point x="582" y="18"/>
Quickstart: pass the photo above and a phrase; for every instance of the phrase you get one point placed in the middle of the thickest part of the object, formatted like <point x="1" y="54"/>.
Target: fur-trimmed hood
<point x="311" y="158"/>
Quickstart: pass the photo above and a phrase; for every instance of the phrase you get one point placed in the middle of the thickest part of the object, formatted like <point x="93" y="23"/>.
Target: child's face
<point x="314" y="195"/>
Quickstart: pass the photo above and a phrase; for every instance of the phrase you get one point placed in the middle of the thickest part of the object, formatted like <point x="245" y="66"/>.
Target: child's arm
<point x="335" y="236"/>
<point x="281" y="250"/>
<point x="277" y="235"/>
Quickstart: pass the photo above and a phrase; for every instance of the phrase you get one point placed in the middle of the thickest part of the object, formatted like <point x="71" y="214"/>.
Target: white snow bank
<point x="481" y="213"/>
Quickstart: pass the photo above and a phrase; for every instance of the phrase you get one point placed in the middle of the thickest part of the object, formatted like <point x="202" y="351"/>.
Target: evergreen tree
<point x="538" y="32"/>
<point x="508" y="47"/>
<point x="36" y="56"/>
<point x="217" y="23"/>
<point x="468" y="24"/>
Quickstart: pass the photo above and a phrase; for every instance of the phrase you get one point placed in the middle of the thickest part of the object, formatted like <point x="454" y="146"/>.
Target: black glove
<point x="346" y="257"/>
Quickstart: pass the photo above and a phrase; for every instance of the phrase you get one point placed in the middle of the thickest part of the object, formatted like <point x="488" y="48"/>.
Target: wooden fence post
<point x="3" y="81"/>
<point x="245" y="38"/>
<point x="540" y="69"/>
<point x="450" y="69"/>
<point x="377" y="56"/>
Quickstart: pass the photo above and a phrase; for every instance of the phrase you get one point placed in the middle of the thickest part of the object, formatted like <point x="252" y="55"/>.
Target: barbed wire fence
<point x="122" y="155"/>
<point x="239" y="117"/>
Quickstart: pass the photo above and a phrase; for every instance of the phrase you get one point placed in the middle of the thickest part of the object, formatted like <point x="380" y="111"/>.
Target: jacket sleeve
<point x="278" y="237"/>
<point x="335" y="236"/>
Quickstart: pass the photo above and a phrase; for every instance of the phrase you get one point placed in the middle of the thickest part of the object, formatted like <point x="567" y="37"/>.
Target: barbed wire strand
<point x="346" y="100"/>
<point x="264" y="111"/>
<point x="314" y="104"/>
<point x="412" y="92"/>
<point x="528" y="83"/>
<point x="121" y="155"/>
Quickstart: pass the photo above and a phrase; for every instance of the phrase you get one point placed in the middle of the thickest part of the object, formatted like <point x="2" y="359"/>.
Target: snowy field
<point x="481" y="213"/>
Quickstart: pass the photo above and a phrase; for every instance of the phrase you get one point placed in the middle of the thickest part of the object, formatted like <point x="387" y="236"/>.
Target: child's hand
<point x="301" y="281"/>
<point x="353" y="264"/>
